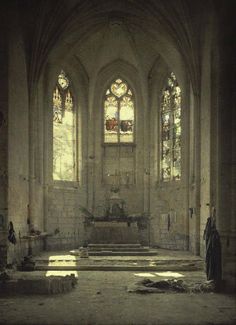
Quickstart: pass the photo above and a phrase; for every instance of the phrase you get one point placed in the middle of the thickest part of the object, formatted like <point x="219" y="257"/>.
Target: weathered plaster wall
<point x="168" y="217"/>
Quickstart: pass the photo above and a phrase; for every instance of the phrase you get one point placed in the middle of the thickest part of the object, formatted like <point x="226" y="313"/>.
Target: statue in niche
<point x="115" y="207"/>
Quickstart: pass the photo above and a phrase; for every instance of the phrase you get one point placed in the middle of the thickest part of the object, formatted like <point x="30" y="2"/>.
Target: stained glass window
<point x="119" y="113"/>
<point x="171" y="131"/>
<point x="64" y="139"/>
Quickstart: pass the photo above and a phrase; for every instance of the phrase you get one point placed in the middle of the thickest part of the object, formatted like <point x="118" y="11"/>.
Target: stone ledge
<point x="39" y="285"/>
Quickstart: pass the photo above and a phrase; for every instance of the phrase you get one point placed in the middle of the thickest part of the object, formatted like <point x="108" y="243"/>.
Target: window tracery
<point x="64" y="127"/>
<point x="118" y="131"/>
<point x="170" y="145"/>
<point x="119" y="113"/>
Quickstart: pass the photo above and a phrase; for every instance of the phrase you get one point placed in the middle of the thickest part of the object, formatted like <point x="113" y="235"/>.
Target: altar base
<point x="113" y="232"/>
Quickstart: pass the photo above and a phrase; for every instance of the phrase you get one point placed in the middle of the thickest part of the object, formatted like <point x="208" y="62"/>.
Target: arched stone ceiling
<point x="63" y="28"/>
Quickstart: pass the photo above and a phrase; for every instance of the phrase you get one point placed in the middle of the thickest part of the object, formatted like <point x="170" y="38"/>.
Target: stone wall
<point x="168" y="224"/>
<point x="64" y="222"/>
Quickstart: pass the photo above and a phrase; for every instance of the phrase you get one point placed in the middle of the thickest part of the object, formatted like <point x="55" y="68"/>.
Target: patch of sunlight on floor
<point x="151" y="275"/>
<point x="62" y="257"/>
<point x="169" y="273"/>
<point x="61" y="273"/>
<point x="165" y="274"/>
<point x="54" y="258"/>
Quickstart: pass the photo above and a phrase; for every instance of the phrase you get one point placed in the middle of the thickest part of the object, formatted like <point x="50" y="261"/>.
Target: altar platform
<point x="161" y="260"/>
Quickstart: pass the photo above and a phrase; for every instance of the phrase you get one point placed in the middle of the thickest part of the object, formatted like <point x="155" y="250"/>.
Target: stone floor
<point x="102" y="298"/>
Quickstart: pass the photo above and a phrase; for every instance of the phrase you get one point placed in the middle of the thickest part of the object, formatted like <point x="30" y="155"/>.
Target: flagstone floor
<point x="102" y="298"/>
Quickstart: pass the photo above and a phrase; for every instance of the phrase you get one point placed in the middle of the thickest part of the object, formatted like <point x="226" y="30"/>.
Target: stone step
<point x="121" y="260"/>
<point x="115" y="245"/>
<point x="122" y="253"/>
<point x="118" y="249"/>
<point x="144" y="268"/>
<point x="106" y="252"/>
<point x="121" y="263"/>
<point x="113" y="248"/>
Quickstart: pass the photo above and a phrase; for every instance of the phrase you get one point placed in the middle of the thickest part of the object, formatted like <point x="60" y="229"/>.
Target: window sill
<point x="65" y="185"/>
<point x="171" y="183"/>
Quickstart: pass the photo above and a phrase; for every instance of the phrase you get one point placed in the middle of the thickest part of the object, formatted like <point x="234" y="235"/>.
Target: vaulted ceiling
<point x="134" y="30"/>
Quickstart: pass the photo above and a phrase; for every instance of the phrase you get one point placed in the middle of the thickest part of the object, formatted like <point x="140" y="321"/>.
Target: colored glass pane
<point x="111" y="119"/>
<point x="126" y="119"/>
<point x="118" y="113"/>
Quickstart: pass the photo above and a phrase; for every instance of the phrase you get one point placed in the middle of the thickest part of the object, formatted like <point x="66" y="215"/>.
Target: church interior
<point x="117" y="155"/>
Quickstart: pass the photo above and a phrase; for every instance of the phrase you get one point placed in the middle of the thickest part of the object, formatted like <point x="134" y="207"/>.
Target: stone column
<point x="3" y="137"/>
<point x="226" y="144"/>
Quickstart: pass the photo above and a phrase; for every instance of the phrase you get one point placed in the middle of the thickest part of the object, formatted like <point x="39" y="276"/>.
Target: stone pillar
<point x="3" y="137"/>
<point x="226" y="144"/>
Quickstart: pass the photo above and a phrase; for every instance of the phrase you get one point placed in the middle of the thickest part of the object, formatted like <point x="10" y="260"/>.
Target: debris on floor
<point x="83" y="252"/>
<point x="171" y="285"/>
<point x="4" y="276"/>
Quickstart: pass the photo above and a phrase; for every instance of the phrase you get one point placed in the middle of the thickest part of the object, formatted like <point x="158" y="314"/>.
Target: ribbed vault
<point x="62" y="26"/>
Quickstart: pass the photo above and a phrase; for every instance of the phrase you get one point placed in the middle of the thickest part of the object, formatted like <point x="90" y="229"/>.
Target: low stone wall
<point x="39" y="285"/>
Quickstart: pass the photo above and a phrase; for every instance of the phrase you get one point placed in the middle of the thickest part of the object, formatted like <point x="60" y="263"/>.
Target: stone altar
<point x="113" y="232"/>
<point x="117" y="226"/>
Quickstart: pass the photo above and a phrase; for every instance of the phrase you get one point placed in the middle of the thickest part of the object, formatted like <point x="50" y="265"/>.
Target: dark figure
<point x="213" y="252"/>
<point x="11" y="233"/>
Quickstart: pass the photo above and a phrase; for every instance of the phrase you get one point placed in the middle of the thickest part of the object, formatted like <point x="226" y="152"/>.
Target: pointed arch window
<point x="170" y="131"/>
<point x="64" y="131"/>
<point x="119" y="113"/>
<point x="119" y="134"/>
